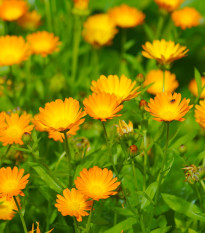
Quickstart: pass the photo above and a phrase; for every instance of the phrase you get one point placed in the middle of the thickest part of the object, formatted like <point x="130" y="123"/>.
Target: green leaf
<point x="124" y="225"/>
<point x="197" y="76"/>
<point x="182" y="206"/>
<point x="123" y="211"/>
<point x="47" y="177"/>
<point x="161" y="230"/>
<point x="150" y="192"/>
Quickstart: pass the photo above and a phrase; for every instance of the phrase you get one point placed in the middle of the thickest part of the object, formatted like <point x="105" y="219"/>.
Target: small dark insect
<point x="172" y="101"/>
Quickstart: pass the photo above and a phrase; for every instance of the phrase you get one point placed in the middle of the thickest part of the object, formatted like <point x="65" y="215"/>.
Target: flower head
<point x="11" y="10"/>
<point x="12" y="182"/>
<point x="7" y="208"/>
<point x="124" y="128"/>
<point x="169" y="5"/>
<point x="73" y="203"/>
<point x="15" y="127"/>
<point x="81" y="4"/>
<point x="200" y="113"/>
<point x="186" y="18"/>
<point x="126" y="17"/>
<point x="123" y="88"/>
<point x="55" y="135"/>
<point x="168" y="107"/>
<point x="165" y="52"/>
<point x="156" y="77"/>
<point x="30" y="20"/>
<point x="37" y="229"/>
<point x="97" y="183"/>
<point x="61" y="116"/>
<point x="14" y="50"/>
<point x="43" y="43"/>
<point x="194" y="89"/>
<point x="102" y="106"/>
<point x="99" y="30"/>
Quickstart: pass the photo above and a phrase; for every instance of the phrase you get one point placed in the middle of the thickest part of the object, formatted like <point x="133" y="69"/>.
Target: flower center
<point x="9" y="186"/>
<point x="74" y="206"/>
<point x="14" y="132"/>
<point x="97" y="189"/>
<point x="13" y="13"/>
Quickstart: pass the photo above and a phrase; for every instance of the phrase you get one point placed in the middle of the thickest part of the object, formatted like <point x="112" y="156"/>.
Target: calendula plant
<point x="102" y="116"/>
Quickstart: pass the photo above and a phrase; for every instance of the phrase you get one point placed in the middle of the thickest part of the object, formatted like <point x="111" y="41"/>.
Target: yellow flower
<point x="102" y="106"/>
<point x="169" y="5"/>
<point x="165" y="52"/>
<point x="12" y="182"/>
<point x="194" y="90"/>
<point x="43" y="43"/>
<point x="122" y="88"/>
<point x="7" y="208"/>
<point x="97" y="183"/>
<point x="156" y="77"/>
<point x="11" y="10"/>
<point x="125" y="16"/>
<point x="200" y="113"/>
<point x="81" y="4"/>
<point x="14" y="50"/>
<point x="99" y="30"/>
<point x="55" y="135"/>
<point x="61" y="116"/>
<point x="167" y="107"/>
<point x="124" y="128"/>
<point x="186" y="18"/>
<point x="38" y="229"/>
<point x="16" y="126"/>
<point x="30" y="20"/>
<point x="73" y="203"/>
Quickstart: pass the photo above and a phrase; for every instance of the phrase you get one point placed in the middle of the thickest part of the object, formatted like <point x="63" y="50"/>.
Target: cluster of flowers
<point x="93" y="184"/>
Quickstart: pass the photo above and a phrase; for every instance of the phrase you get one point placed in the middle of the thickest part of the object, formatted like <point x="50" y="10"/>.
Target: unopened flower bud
<point x="26" y="137"/>
<point x="182" y="149"/>
<point x="140" y="78"/>
<point x="142" y="104"/>
<point x="133" y="149"/>
<point x="124" y="128"/>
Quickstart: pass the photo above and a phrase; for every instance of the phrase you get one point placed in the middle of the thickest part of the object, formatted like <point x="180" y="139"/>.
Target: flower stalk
<point x="68" y="158"/>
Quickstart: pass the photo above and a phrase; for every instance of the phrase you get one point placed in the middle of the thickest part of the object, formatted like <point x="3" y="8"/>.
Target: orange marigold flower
<point x="43" y="43"/>
<point x="81" y="4"/>
<point x="15" y="127"/>
<point x="126" y="17"/>
<point x="200" y="113"/>
<point x="7" y="208"/>
<point x="97" y="183"/>
<point x="186" y="18"/>
<point x="194" y="90"/>
<point x="165" y="52"/>
<point x="124" y="128"/>
<point x="55" y="135"/>
<point x="99" y="30"/>
<point x="156" y="77"/>
<point x="11" y="10"/>
<point x="12" y="182"/>
<point x="30" y="20"/>
<point x="73" y="203"/>
<point x="123" y="88"/>
<point x="102" y="106"/>
<point x="38" y="229"/>
<point x="169" y="5"/>
<point x="168" y="107"/>
<point x="61" y="116"/>
<point x="14" y="50"/>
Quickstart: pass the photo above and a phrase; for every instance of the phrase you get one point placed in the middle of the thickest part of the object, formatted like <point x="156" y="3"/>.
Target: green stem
<point x="145" y="161"/>
<point x="134" y="174"/>
<point x="123" y="42"/>
<point x="163" y="88"/>
<point x="68" y="158"/>
<point x="48" y="15"/>
<point x="76" y="44"/>
<point x="20" y="214"/>
<point x="75" y="225"/>
<point x="161" y="174"/>
<point x="202" y="184"/>
<point x="87" y="230"/>
<point x="160" y="26"/>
